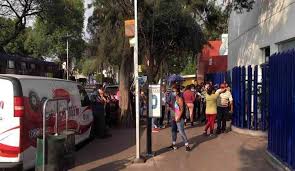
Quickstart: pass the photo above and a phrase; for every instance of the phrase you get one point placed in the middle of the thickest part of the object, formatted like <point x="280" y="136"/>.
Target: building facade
<point x="213" y="59"/>
<point x="267" y="29"/>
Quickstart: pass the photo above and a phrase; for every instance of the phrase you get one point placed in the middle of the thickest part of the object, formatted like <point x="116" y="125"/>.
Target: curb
<point x="275" y="163"/>
<point x="249" y="132"/>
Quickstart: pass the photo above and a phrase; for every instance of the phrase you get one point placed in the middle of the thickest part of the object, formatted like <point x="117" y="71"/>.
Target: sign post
<point x="138" y="158"/>
<point x="154" y="111"/>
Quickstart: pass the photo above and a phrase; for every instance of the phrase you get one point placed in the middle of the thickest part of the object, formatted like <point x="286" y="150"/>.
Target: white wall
<point x="267" y="24"/>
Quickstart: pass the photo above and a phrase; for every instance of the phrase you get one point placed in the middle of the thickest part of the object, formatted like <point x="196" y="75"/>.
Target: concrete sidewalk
<point x="227" y="152"/>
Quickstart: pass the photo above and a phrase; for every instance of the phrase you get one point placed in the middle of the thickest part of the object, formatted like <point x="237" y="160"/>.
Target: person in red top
<point x="189" y="99"/>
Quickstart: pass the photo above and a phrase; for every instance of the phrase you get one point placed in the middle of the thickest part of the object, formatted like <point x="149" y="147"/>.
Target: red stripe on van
<point x="87" y="108"/>
<point x="9" y="151"/>
<point x="10" y="129"/>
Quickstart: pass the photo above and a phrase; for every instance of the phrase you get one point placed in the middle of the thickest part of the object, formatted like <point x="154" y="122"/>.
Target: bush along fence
<point x="281" y="133"/>
<point x="249" y="89"/>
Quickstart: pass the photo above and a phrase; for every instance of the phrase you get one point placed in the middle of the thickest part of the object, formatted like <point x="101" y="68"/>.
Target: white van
<point x="21" y="100"/>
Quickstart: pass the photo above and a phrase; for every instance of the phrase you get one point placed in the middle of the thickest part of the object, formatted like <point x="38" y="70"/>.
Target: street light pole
<point x="136" y="82"/>
<point x="138" y="158"/>
<point x="67" y="67"/>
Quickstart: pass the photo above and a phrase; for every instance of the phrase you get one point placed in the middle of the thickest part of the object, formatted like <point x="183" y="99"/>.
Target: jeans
<point x="180" y="126"/>
<point x="155" y="123"/>
<point x="222" y="112"/>
<point x="161" y="120"/>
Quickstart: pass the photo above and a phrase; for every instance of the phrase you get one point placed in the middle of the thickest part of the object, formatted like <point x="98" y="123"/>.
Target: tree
<point x="20" y="11"/>
<point x="53" y="21"/>
<point x="166" y="30"/>
<point x="109" y="44"/>
<point x="61" y="18"/>
<point x="213" y="16"/>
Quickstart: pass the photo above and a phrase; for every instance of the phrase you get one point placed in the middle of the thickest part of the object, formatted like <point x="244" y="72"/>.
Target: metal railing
<point x="57" y="100"/>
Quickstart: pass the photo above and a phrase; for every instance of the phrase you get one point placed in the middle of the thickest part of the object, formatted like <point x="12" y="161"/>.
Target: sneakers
<point x="187" y="148"/>
<point x="211" y="135"/>
<point x="205" y="133"/>
<point x="172" y="147"/>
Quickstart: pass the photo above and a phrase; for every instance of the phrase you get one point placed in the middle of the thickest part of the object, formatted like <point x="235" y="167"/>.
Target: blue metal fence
<point x="264" y="99"/>
<point x="248" y="97"/>
<point x="282" y="107"/>
<point x="216" y="78"/>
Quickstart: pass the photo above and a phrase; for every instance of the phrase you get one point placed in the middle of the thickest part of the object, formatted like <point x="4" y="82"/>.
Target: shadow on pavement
<point x="195" y="126"/>
<point x="197" y="140"/>
<point x="194" y="141"/>
<point x="113" y="166"/>
<point x="254" y="159"/>
<point x="97" y="149"/>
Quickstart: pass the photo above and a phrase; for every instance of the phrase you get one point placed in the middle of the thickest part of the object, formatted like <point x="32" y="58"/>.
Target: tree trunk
<point x="127" y="118"/>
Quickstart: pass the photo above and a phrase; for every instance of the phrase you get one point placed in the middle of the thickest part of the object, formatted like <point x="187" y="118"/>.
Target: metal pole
<point x="56" y="119"/>
<point x="136" y="83"/>
<point x="149" y="129"/>
<point x="44" y="132"/>
<point x="67" y="57"/>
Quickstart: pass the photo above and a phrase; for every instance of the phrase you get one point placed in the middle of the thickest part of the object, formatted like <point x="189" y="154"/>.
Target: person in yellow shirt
<point x="211" y="108"/>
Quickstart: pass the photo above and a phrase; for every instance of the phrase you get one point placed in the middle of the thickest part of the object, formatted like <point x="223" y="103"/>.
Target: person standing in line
<point x="224" y="106"/>
<point x="189" y="98"/>
<point x="211" y="108"/>
<point x="170" y="99"/>
<point x="142" y="103"/>
<point x="178" y="120"/>
<point x="163" y="99"/>
<point x="99" y="115"/>
<point x="203" y="93"/>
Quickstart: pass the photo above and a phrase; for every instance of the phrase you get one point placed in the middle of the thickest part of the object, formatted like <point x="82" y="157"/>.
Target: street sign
<point x="129" y="28"/>
<point x="155" y="102"/>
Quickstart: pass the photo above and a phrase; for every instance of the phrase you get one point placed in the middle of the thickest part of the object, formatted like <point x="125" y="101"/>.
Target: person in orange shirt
<point x="189" y="99"/>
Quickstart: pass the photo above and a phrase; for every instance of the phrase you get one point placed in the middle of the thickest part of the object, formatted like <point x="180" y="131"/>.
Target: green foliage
<point x="214" y="16"/>
<point x="168" y="34"/>
<point x="106" y="26"/>
<point x="87" y="66"/>
<point x="190" y="68"/>
<point x="54" y="20"/>
<point x="61" y="18"/>
<point x="18" y="44"/>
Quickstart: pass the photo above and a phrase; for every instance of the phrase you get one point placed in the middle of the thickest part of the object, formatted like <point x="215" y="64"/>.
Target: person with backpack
<point x="178" y="119"/>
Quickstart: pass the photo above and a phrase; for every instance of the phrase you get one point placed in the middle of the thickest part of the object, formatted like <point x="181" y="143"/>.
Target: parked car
<point x="21" y="101"/>
<point x="90" y="89"/>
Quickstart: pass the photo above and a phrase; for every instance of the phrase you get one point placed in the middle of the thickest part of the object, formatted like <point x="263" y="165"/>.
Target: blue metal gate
<point x="282" y="107"/>
<point x="248" y="98"/>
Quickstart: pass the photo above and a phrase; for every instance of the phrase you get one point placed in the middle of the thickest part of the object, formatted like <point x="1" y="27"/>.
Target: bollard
<point x="39" y="153"/>
<point x="54" y="155"/>
<point x="69" y="151"/>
